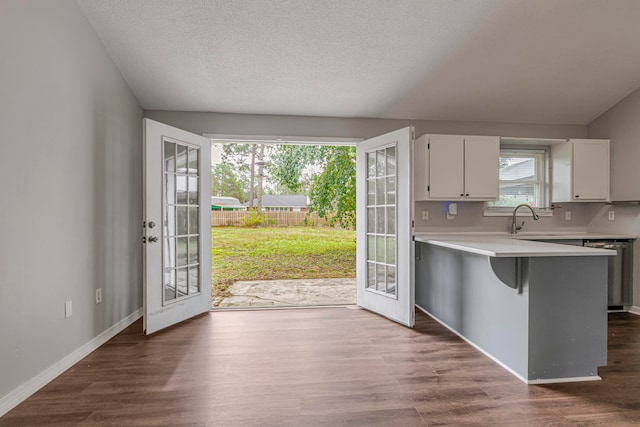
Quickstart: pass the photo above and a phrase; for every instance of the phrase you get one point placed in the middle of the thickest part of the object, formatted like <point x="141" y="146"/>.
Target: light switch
<point x="567" y="216"/>
<point x="68" y="309"/>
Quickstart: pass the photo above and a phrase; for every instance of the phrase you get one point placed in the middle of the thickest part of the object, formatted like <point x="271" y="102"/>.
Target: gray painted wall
<point x="71" y="187"/>
<point x="241" y="124"/>
<point x="621" y="125"/>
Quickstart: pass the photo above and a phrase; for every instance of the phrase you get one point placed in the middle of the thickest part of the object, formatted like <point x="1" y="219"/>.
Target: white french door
<point x="384" y="202"/>
<point x="177" y="209"/>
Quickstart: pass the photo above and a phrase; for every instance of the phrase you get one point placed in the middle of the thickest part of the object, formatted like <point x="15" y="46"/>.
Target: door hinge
<point x="144" y="224"/>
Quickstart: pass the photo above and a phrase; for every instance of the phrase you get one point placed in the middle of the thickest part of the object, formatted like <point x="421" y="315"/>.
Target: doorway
<point x="283" y="222"/>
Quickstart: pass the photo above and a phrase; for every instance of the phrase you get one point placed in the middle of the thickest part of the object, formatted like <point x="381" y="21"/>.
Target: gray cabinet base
<point x="554" y="330"/>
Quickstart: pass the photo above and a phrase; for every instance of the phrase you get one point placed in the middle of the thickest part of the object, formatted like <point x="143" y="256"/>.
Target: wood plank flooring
<point x="322" y="367"/>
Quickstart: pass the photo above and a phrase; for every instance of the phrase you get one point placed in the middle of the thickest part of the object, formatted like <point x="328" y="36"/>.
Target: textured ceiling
<point x="543" y="61"/>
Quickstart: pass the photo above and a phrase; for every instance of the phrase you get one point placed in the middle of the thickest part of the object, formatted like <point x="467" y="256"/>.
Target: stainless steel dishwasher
<point x="620" y="271"/>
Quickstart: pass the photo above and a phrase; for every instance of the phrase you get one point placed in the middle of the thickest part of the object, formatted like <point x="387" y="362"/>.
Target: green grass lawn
<point x="271" y="253"/>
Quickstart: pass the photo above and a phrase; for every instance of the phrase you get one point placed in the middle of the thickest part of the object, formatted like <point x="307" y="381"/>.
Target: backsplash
<point x="470" y="218"/>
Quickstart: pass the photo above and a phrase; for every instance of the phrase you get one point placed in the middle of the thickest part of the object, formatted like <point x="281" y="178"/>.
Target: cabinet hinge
<point x="428" y="188"/>
<point x="428" y="146"/>
<point x="413" y="224"/>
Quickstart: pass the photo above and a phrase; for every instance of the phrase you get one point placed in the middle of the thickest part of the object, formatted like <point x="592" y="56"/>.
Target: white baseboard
<point x="635" y="310"/>
<point x="17" y="396"/>
<point x="511" y="371"/>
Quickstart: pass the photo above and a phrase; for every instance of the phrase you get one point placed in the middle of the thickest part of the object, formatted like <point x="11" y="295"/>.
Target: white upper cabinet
<point x="456" y="167"/>
<point x="580" y="171"/>
<point x="481" y="176"/>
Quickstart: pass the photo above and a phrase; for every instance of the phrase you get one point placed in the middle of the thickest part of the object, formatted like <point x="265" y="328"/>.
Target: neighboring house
<point x="282" y="203"/>
<point x="222" y="203"/>
<point x="519" y="173"/>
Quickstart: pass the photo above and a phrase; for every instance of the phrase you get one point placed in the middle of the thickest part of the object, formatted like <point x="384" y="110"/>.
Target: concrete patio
<point x="289" y="293"/>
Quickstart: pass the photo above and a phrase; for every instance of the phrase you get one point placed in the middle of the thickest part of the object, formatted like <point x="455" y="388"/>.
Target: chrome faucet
<point x="514" y="227"/>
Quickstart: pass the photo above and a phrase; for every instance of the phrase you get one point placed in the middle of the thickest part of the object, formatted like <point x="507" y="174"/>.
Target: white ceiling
<point x="541" y="61"/>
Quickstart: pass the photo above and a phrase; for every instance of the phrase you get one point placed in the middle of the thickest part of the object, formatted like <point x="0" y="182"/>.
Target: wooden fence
<point x="276" y="219"/>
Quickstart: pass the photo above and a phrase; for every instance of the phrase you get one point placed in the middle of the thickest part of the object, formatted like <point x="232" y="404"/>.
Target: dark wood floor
<point x="322" y="367"/>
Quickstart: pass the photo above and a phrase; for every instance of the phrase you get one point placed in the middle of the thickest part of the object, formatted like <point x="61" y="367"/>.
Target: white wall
<point x="621" y="124"/>
<point x="70" y="188"/>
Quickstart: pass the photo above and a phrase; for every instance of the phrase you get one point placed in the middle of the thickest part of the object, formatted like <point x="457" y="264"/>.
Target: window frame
<point x="542" y="180"/>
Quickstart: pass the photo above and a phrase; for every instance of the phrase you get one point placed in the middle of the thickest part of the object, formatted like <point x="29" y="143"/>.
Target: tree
<point x="248" y="160"/>
<point x="326" y="173"/>
<point x="225" y="182"/>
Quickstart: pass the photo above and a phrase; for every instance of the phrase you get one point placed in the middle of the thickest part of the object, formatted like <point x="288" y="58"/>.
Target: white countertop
<point x="507" y="245"/>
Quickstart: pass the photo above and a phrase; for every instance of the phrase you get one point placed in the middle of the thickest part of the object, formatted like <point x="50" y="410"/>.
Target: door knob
<point x="153" y="239"/>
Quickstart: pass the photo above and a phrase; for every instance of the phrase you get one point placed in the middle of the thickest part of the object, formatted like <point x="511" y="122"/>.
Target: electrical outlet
<point x="425" y="215"/>
<point x="68" y="309"/>
<point x="98" y="295"/>
<point x="567" y="216"/>
<point x="612" y="215"/>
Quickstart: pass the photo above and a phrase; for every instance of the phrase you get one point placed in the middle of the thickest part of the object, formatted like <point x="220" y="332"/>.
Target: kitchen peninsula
<point x="538" y="309"/>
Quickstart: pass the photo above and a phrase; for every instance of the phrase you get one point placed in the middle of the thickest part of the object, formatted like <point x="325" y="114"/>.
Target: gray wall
<point x="241" y="124"/>
<point x="621" y="124"/>
<point x="71" y="187"/>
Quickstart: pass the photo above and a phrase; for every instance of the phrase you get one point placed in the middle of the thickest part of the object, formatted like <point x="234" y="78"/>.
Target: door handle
<point x="153" y="239"/>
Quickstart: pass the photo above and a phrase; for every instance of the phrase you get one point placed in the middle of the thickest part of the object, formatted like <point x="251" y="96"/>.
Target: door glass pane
<point x="170" y="188"/>
<point x="381" y="221"/>
<point x="380" y="278"/>
<point x="169" y="284"/>
<point x="391" y="250"/>
<point x="391" y="221"/>
<point x="371" y="220"/>
<point x="391" y="280"/>
<point x="181" y="158"/>
<point x="380" y="163"/>
<point x="391" y="161"/>
<point x="181" y="217"/>
<point x="380" y="249"/>
<point x="182" y="220"/>
<point x="371" y="248"/>
<point x="193" y="220"/>
<point x="193" y="161"/>
<point x="391" y="190"/>
<point x="181" y="258"/>
<point x="194" y="280"/>
<point x="371" y="191"/>
<point x="169" y="156"/>
<point x="193" y="190"/>
<point x="181" y="184"/>
<point x="181" y="281"/>
<point x="380" y="197"/>
<point x="371" y="165"/>
<point x="169" y="252"/>
<point x="193" y="250"/>
<point x="371" y="275"/>
<point x="169" y="221"/>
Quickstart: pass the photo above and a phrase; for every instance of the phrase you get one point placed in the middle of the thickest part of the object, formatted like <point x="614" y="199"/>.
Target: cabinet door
<point x="446" y="167"/>
<point x="481" y="180"/>
<point x="590" y="169"/>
